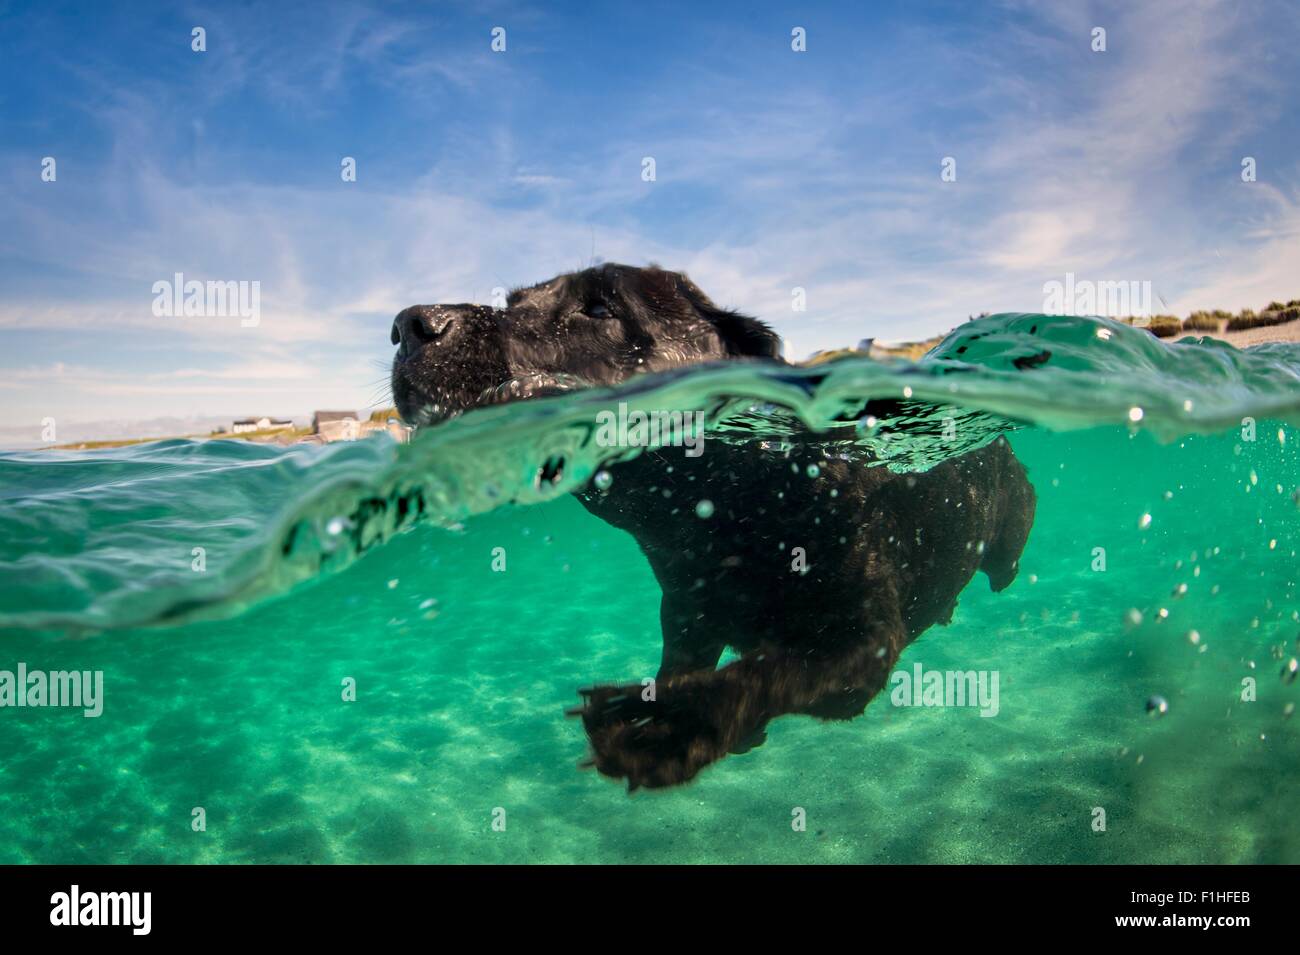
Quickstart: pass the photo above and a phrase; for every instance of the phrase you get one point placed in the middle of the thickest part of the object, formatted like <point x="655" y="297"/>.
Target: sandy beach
<point x="1290" y="332"/>
<point x="914" y="351"/>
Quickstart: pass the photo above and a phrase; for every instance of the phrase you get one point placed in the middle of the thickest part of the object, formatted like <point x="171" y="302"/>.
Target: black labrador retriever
<point x="817" y="572"/>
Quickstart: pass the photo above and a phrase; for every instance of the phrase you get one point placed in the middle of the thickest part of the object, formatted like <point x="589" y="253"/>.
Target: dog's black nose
<point x="421" y="324"/>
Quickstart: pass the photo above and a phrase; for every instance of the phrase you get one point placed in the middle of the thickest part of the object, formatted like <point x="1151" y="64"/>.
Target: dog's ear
<point x="741" y="335"/>
<point x="746" y="336"/>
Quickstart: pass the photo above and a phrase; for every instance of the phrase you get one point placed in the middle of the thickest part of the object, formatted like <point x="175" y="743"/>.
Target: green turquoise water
<point x="373" y="562"/>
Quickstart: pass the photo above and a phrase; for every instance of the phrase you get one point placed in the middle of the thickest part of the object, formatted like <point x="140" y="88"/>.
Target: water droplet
<point x="814" y="470"/>
<point x="604" y="480"/>
<point x="1290" y="670"/>
<point x="392" y="584"/>
<point x="1157" y="706"/>
<point x="1144" y="521"/>
<point x="1193" y="637"/>
<point x="1134" y="617"/>
<point x="1135" y="414"/>
<point x="704" y="509"/>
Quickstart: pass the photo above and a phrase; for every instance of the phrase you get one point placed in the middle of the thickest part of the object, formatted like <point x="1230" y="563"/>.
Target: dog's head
<point x="596" y="327"/>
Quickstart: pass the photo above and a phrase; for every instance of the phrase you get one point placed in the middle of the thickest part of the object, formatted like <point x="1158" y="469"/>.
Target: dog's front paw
<point x="650" y="742"/>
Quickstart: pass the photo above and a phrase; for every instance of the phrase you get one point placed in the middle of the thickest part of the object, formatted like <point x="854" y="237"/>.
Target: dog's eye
<point x="596" y="310"/>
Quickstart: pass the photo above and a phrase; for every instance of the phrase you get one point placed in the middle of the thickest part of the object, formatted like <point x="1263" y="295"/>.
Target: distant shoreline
<point x="1242" y="338"/>
<point x="284" y="436"/>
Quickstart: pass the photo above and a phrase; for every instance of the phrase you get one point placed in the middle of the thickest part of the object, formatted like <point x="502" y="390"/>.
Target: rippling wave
<point x="178" y="529"/>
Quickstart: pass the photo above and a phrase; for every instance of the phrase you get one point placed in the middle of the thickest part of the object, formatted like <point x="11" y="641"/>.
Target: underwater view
<point x="364" y="652"/>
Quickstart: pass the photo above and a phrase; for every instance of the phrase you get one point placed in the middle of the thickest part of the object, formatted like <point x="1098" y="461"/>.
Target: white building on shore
<point x="245" y="425"/>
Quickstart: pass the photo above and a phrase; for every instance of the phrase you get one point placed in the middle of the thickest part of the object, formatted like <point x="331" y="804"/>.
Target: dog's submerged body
<point x="817" y="572"/>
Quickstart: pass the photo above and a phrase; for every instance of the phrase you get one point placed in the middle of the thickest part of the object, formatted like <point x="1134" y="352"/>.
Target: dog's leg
<point x="690" y="641"/>
<point x="1015" y="518"/>
<point x="694" y="719"/>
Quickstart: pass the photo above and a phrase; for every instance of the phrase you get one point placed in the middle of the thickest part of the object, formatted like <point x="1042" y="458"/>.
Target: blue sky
<point x="477" y="169"/>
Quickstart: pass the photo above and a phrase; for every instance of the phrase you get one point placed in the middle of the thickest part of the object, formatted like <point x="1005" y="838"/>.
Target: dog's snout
<point x="420" y="325"/>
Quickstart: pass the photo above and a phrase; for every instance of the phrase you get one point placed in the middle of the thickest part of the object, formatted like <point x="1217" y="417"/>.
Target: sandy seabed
<point x="459" y="718"/>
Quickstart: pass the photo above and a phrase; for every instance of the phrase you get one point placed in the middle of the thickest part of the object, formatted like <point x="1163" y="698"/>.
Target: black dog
<point x="817" y="576"/>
